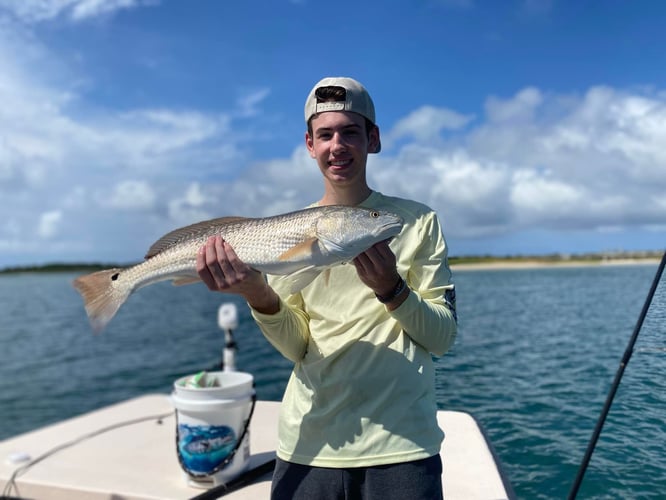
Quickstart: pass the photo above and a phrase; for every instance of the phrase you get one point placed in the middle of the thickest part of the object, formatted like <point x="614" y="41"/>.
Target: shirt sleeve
<point x="288" y="329"/>
<point x="428" y="315"/>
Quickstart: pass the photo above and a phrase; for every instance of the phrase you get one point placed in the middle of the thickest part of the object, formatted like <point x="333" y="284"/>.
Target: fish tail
<point x="103" y="294"/>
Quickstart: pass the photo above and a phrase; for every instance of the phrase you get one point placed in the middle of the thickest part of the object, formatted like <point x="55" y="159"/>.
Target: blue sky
<point x="531" y="126"/>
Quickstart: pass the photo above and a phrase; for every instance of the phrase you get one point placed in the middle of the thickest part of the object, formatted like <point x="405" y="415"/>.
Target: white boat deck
<point x="139" y="461"/>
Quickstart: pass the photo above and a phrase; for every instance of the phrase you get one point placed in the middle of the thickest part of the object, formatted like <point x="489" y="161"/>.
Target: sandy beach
<point x="533" y="264"/>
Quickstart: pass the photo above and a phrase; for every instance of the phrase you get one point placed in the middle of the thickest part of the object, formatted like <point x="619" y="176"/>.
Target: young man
<point x="358" y="417"/>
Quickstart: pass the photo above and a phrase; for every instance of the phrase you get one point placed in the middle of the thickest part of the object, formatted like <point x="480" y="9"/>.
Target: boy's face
<point x="340" y="144"/>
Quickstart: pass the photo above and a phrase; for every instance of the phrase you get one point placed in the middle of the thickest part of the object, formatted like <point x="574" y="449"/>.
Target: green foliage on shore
<point x="60" y="268"/>
<point x="557" y="258"/>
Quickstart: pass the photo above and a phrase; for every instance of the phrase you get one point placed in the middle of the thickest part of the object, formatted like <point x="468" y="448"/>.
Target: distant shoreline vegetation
<point x="559" y="258"/>
<point x="61" y="267"/>
<point x="556" y="258"/>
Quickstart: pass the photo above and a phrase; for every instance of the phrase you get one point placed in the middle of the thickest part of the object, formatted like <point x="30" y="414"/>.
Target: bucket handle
<point x="228" y="458"/>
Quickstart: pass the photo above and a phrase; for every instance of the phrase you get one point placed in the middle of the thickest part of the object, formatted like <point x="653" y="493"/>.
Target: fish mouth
<point x="391" y="229"/>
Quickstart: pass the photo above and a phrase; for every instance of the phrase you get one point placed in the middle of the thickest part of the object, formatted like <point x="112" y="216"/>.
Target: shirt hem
<point x="364" y="461"/>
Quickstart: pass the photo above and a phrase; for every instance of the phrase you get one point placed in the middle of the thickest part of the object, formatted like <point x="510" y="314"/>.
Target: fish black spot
<point x="115" y="277"/>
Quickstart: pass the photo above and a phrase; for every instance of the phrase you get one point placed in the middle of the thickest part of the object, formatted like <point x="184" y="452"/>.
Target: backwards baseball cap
<point x="357" y="100"/>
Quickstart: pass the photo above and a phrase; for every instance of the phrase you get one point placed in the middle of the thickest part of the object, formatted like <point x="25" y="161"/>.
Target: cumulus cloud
<point x="542" y="161"/>
<point x="73" y="173"/>
<point x="427" y="124"/>
<point x="519" y="109"/>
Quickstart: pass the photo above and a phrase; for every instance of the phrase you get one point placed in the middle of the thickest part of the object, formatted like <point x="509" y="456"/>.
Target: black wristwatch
<point x="397" y="290"/>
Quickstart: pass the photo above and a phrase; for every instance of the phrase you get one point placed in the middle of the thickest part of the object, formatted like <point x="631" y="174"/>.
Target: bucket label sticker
<point x="202" y="448"/>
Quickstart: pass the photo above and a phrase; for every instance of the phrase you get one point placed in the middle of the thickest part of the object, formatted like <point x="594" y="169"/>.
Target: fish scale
<point x="297" y="245"/>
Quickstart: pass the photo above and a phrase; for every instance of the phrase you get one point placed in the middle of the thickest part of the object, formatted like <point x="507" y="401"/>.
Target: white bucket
<point x="212" y="427"/>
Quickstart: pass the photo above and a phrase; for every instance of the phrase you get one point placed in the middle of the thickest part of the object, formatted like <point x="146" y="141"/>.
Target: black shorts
<point x="417" y="480"/>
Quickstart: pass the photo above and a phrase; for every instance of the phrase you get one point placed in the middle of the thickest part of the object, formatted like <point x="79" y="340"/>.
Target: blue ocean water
<point x="535" y="357"/>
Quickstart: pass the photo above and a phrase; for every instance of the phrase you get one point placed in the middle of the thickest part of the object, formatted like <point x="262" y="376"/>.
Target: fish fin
<point x="342" y="253"/>
<point x="188" y="232"/>
<point x="302" y="250"/>
<point x="300" y="279"/>
<point x="101" y="297"/>
<point x="185" y="280"/>
<point x="331" y="246"/>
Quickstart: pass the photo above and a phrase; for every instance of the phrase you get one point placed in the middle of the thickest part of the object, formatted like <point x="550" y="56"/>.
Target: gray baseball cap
<point x="357" y="100"/>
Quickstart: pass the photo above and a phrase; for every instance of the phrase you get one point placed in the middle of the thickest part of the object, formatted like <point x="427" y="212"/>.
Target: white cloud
<point x="426" y="124"/>
<point x="32" y="11"/>
<point x="190" y="206"/>
<point x="542" y="161"/>
<point x="633" y="126"/>
<point x="521" y="108"/>
<point x="132" y="195"/>
<point x="85" y="163"/>
<point x="248" y="104"/>
<point x="48" y="224"/>
<point x="144" y="138"/>
<point x="537" y="197"/>
<point x="74" y="173"/>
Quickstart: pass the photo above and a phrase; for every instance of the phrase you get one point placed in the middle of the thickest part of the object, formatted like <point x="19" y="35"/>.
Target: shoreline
<point x="483" y="264"/>
<point x="538" y="264"/>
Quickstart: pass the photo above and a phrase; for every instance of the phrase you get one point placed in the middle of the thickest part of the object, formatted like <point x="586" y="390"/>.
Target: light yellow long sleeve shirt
<point x="362" y="389"/>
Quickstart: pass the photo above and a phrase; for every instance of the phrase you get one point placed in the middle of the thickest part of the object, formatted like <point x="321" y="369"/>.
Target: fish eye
<point x="374" y="214"/>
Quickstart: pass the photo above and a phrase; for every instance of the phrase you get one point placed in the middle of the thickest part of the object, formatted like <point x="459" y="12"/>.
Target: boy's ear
<point x="373" y="140"/>
<point x="309" y="144"/>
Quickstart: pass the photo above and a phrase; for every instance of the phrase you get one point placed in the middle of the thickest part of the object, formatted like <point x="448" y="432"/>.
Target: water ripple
<point x="536" y="355"/>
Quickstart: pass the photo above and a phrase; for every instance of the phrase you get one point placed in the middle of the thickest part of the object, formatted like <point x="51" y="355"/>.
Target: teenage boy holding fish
<point x="358" y="417"/>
